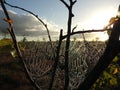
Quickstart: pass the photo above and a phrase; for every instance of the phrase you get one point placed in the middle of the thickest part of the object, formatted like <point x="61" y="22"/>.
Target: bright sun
<point x="99" y="20"/>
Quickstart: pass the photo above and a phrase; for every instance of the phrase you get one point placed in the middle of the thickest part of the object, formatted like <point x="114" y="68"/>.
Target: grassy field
<point x="12" y="75"/>
<point x="39" y="60"/>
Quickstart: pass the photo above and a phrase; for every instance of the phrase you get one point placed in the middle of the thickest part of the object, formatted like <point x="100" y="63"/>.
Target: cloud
<point x="27" y="25"/>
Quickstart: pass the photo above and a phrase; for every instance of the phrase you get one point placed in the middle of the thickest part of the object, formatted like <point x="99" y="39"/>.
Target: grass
<point x="5" y="41"/>
<point x="6" y="44"/>
<point x="12" y="75"/>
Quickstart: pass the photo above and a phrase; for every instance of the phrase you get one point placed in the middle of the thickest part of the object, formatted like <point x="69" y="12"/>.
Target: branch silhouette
<point x="45" y="25"/>
<point x="86" y="31"/>
<point x="65" y="3"/>
<point x="11" y="31"/>
<point x="69" y="24"/>
<point x="112" y="49"/>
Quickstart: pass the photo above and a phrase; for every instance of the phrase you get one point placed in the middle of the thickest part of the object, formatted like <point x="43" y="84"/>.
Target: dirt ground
<point x="12" y="75"/>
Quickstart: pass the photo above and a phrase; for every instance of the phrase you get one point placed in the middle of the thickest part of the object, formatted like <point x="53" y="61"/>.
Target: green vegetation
<point x="110" y="78"/>
<point x="6" y="44"/>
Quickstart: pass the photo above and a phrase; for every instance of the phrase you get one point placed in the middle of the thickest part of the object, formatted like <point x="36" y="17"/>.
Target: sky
<point x="89" y="14"/>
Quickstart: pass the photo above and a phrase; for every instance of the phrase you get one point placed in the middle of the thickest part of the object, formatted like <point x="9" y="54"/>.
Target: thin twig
<point x="86" y="31"/>
<point x="65" y="3"/>
<point x="45" y="25"/>
<point x="11" y="30"/>
<point x="56" y="60"/>
<point x="74" y="28"/>
<point x="69" y="23"/>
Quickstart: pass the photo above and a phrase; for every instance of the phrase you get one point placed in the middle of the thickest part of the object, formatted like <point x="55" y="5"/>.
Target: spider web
<point x="39" y="60"/>
<point x="83" y="56"/>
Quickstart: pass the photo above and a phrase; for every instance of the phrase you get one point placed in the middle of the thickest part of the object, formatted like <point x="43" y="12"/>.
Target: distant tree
<point x="97" y="38"/>
<point x="24" y="39"/>
<point x="43" y="39"/>
<point x="74" y="38"/>
<point x="5" y="33"/>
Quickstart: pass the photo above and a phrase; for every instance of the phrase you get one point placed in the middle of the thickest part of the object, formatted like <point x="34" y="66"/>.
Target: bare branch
<point x="86" y="31"/>
<point x="65" y="3"/>
<point x="11" y="30"/>
<point x="72" y="2"/>
<point x="45" y="25"/>
<point x="68" y="42"/>
<point x="112" y="50"/>
<point x="57" y="58"/>
<point x="74" y="28"/>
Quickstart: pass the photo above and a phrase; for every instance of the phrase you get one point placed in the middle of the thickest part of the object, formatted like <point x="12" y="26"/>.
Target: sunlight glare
<point x="103" y="36"/>
<point x="100" y="19"/>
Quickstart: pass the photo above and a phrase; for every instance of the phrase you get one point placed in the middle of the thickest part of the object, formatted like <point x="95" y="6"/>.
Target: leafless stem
<point x="70" y="15"/>
<point x="74" y="28"/>
<point x="112" y="50"/>
<point x="65" y="3"/>
<point x="11" y="30"/>
<point x="86" y="31"/>
<point x="45" y="25"/>
<point x="56" y="60"/>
